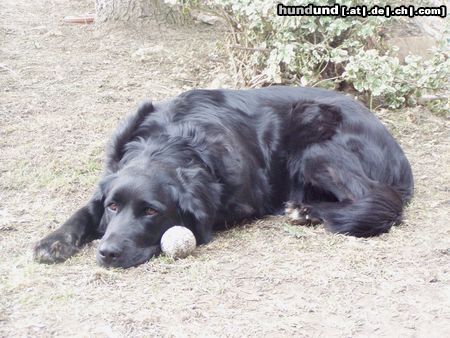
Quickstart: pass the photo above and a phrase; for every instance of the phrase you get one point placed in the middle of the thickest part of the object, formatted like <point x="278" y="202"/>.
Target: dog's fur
<point x="210" y="158"/>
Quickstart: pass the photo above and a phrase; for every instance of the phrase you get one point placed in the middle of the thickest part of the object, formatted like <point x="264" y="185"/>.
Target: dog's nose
<point x="108" y="253"/>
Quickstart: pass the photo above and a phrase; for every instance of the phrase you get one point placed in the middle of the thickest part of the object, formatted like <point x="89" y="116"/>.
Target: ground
<point x="63" y="89"/>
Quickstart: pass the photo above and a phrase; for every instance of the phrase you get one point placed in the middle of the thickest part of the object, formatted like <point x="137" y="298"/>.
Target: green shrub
<point x="331" y="52"/>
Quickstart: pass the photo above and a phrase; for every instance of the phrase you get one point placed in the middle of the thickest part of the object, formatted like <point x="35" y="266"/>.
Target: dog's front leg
<point x="79" y="229"/>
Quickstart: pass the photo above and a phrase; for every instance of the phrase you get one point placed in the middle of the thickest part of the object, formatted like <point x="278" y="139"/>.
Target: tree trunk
<point x="129" y="10"/>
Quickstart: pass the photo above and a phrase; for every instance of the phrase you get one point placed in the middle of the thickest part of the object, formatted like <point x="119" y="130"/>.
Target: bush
<point x="328" y="52"/>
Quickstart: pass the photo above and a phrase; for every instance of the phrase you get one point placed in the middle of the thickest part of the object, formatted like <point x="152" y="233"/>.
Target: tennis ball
<point x="178" y="242"/>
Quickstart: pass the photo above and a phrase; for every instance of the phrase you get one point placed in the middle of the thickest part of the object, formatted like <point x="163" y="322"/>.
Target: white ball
<point x="178" y="242"/>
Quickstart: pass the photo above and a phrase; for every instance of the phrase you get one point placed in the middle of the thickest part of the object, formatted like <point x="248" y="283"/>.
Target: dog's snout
<point x="108" y="253"/>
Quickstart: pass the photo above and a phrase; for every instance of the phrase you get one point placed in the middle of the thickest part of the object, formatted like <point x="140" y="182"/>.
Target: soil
<point x="63" y="87"/>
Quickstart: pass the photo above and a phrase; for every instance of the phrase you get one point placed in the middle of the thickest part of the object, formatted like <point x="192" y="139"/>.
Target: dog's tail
<point x="369" y="215"/>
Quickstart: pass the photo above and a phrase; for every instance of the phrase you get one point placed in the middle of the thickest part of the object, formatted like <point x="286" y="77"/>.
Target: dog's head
<point x="140" y="205"/>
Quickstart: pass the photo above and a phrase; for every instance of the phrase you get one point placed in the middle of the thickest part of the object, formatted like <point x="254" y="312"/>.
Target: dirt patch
<point x="63" y="89"/>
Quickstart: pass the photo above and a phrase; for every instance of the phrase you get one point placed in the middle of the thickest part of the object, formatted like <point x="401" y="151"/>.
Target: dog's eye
<point x="113" y="207"/>
<point x="150" y="211"/>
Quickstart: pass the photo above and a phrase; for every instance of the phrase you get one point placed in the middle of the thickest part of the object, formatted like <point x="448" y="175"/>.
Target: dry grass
<point x="63" y="90"/>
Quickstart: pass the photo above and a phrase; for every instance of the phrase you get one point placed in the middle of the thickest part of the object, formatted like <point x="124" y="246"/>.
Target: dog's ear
<point x="199" y="196"/>
<point x="99" y="196"/>
<point x="124" y="134"/>
<point x="105" y="184"/>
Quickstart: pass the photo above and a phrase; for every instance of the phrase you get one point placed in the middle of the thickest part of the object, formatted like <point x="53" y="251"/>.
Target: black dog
<point x="210" y="158"/>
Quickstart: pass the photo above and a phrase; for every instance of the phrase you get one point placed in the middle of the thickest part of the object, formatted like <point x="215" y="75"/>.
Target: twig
<point x="14" y="73"/>
<point x="86" y="19"/>
<point x="428" y="98"/>
<point x="249" y="48"/>
<point x="8" y="69"/>
<point x="329" y="79"/>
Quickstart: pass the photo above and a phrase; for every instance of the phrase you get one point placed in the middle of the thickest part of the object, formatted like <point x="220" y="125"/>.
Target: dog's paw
<point x="300" y="214"/>
<point x="54" y="248"/>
